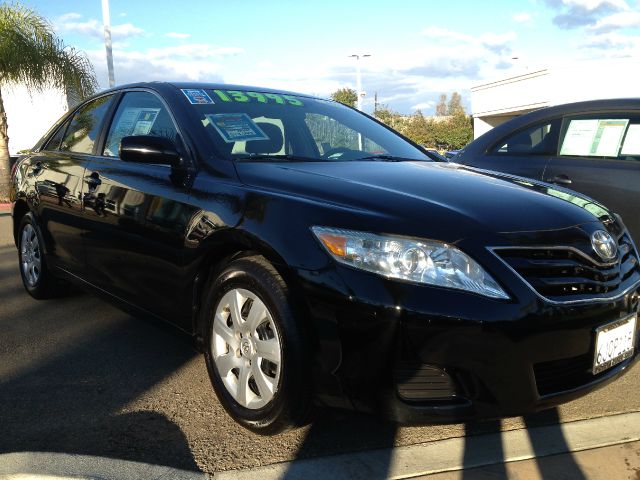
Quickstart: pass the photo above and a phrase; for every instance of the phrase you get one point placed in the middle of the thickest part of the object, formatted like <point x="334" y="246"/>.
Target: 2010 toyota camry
<point x="316" y="256"/>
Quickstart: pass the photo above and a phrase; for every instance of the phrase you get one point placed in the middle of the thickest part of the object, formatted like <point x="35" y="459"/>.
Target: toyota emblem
<point x="604" y="245"/>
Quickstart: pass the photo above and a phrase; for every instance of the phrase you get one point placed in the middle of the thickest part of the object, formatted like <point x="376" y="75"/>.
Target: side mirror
<point x="149" y="149"/>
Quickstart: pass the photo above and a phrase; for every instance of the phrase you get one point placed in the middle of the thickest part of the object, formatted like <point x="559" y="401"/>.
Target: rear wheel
<point x="255" y="349"/>
<point x="36" y="278"/>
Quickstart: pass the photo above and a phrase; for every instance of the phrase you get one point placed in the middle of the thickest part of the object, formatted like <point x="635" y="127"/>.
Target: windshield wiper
<point x="276" y="157"/>
<point x="388" y="158"/>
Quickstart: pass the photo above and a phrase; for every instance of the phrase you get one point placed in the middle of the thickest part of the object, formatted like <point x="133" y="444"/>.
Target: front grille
<point x="568" y="373"/>
<point x="564" y="274"/>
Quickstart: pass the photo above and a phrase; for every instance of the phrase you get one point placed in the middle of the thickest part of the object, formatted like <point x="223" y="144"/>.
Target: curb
<point x="455" y="453"/>
<point x="63" y="466"/>
<point x="412" y="461"/>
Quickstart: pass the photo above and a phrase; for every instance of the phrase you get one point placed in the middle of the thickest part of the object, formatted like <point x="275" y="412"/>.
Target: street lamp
<point x="107" y="41"/>
<point x="359" y="91"/>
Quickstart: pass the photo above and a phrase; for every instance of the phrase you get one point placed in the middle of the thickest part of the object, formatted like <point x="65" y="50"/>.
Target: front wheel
<point x="256" y="351"/>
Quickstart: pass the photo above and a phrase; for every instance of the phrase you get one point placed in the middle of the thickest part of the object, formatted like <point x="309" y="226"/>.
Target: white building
<point x="496" y="102"/>
<point x="29" y="116"/>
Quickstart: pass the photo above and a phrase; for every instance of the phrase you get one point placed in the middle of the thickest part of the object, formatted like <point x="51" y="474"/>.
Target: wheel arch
<point x="225" y="248"/>
<point x="20" y="209"/>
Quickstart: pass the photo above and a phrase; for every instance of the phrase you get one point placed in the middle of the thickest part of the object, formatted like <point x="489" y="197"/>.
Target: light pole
<point x="359" y="78"/>
<point x="107" y="41"/>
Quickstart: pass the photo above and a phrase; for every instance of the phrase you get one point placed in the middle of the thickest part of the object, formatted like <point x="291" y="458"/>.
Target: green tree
<point x="441" y="107"/>
<point x="454" y="107"/>
<point x="32" y="55"/>
<point x="452" y="133"/>
<point x="347" y="96"/>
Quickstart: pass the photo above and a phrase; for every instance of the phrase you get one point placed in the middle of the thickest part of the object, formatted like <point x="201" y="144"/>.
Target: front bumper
<point x="428" y="355"/>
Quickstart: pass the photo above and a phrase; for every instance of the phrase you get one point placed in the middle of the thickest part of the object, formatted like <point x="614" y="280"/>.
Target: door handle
<point x="561" y="180"/>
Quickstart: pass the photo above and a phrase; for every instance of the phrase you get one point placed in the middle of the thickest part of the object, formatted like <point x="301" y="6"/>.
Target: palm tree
<point x="32" y="55"/>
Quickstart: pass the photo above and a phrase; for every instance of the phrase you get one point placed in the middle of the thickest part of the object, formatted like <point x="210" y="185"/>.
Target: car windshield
<point x="250" y="125"/>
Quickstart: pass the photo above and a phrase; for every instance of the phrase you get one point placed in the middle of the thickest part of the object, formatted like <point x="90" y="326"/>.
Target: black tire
<point x="291" y="402"/>
<point x="46" y="285"/>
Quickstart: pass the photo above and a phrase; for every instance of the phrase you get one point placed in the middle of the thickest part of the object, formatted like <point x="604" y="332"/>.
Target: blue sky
<point x="419" y="48"/>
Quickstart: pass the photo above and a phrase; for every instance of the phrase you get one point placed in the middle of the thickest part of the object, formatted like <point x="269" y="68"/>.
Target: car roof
<point x="589" y="106"/>
<point x="204" y="85"/>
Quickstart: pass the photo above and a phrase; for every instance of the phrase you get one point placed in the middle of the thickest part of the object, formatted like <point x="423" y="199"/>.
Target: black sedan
<point x="316" y="256"/>
<point x="592" y="147"/>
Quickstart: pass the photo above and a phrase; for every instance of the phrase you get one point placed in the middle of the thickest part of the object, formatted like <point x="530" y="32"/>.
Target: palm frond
<point x="31" y="54"/>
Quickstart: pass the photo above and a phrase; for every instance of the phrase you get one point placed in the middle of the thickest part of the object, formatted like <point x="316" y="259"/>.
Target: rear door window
<point x="84" y="129"/>
<point x="613" y="136"/>
<point x="56" y="139"/>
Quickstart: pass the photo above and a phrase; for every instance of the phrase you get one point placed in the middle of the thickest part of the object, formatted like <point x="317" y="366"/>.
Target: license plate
<point x="614" y="343"/>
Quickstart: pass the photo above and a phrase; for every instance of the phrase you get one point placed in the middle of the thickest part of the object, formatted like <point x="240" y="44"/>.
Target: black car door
<point x="525" y="152"/>
<point x="599" y="156"/>
<point x="138" y="217"/>
<point x="57" y="172"/>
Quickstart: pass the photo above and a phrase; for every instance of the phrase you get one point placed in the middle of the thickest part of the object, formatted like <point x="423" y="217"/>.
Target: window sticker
<point x="631" y="144"/>
<point x="257" y="97"/>
<point x="236" y="127"/>
<point x="136" y="121"/>
<point x="197" y="96"/>
<point x="594" y="138"/>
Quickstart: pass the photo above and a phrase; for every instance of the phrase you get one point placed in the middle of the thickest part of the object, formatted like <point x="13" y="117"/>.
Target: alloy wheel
<point x="246" y="348"/>
<point x="30" y="255"/>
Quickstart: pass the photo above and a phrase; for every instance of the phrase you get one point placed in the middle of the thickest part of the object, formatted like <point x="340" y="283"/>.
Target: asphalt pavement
<point x="78" y="376"/>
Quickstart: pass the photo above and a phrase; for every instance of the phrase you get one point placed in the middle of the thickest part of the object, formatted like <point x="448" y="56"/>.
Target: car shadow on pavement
<point x="71" y="372"/>
<point x="484" y="445"/>
<point x="346" y="432"/>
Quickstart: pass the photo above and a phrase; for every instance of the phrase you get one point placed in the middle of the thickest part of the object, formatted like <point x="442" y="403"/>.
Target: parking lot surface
<point x="79" y="376"/>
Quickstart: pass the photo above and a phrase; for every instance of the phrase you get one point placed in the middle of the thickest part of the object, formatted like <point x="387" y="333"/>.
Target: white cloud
<point x="579" y="13"/>
<point x="196" y="62"/>
<point x="69" y="16"/>
<point x="616" y="21"/>
<point x="613" y="44"/>
<point x="496" y="42"/>
<point x="522" y="17"/>
<point x="93" y="28"/>
<point x="181" y="36"/>
<point x="423" y="105"/>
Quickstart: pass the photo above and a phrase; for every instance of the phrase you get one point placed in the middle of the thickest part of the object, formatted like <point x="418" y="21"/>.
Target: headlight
<point x="420" y="261"/>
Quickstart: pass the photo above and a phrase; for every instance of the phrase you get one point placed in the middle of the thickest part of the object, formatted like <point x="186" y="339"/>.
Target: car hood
<point x="449" y="199"/>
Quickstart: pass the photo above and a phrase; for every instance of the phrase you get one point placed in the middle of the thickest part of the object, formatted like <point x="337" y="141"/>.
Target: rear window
<point x="539" y="139"/>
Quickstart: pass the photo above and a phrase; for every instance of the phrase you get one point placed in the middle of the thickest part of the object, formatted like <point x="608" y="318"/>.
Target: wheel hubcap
<point x="30" y="258"/>
<point x="246" y="348"/>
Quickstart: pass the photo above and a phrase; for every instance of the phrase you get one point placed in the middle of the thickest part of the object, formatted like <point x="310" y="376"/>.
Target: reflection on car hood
<point x="446" y="197"/>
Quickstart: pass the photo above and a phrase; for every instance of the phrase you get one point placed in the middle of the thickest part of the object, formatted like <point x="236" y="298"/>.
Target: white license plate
<point x="614" y="343"/>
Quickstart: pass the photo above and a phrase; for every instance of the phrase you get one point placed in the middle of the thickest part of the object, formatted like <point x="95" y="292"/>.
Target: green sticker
<point x="257" y="97"/>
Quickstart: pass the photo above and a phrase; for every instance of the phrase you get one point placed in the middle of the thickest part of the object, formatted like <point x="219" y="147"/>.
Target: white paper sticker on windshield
<point x="631" y="144"/>
<point x="236" y="127"/>
<point x="594" y="138"/>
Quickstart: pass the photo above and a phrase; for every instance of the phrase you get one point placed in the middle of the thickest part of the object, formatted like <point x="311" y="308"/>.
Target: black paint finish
<point x="149" y="237"/>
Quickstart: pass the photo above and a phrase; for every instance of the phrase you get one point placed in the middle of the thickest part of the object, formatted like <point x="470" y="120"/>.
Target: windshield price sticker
<point x="236" y="127"/>
<point x="257" y="97"/>
<point x="197" y="96"/>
